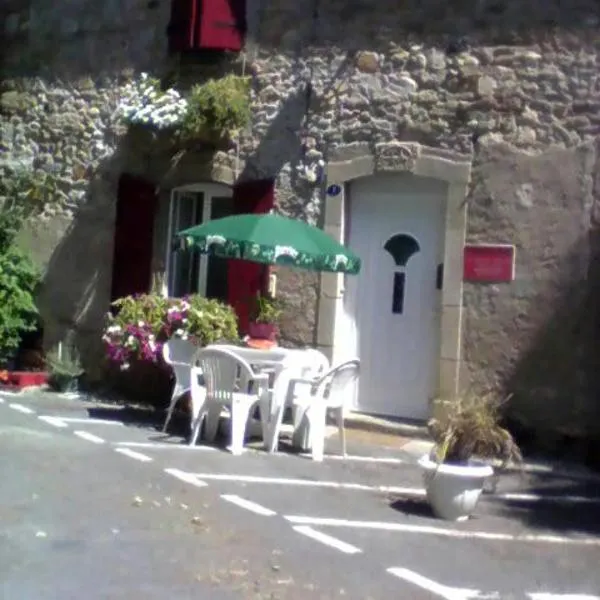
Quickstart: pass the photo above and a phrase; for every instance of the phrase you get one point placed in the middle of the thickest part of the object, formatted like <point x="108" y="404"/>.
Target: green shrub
<point x="144" y="323"/>
<point x="18" y="313"/>
<point x="219" y="105"/>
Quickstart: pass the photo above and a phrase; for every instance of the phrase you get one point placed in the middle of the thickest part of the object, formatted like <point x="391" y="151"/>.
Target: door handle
<point x="439" y="276"/>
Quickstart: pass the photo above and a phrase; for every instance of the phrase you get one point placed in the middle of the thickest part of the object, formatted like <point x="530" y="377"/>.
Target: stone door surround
<point x="358" y="160"/>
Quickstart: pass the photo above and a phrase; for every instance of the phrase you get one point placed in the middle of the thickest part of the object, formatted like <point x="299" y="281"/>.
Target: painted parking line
<point x="351" y="457"/>
<point x="22" y="409"/>
<point x="133" y="454"/>
<point x="441" y="531"/>
<point x="1" y="400"/>
<point x="90" y="437"/>
<point x="239" y="478"/>
<point x="186" y="477"/>
<point x="404" y="491"/>
<point x="91" y="421"/>
<point x="54" y="421"/>
<point x="328" y="540"/>
<point x="166" y="445"/>
<point x="541" y="498"/>
<point x="546" y="596"/>
<point x="437" y="589"/>
<point x="257" y="509"/>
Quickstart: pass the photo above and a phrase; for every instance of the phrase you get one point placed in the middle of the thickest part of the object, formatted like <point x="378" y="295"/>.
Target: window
<point x="190" y="272"/>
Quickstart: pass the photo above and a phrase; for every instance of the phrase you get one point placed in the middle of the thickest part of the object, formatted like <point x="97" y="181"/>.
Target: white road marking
<point x="22" y="409"/>
<point x="91" y="421"/>
<point x="249" y="505"/>
<point x="405" y="491"/>
<point x="309" y="483"/>
<point x="90" y="437"/>
<point x="545" y="596"/>
<point x="9" y="393"/>
<point x="328" y="540"/>
<point x="55" y="421"/>
<point x="542" y="498"/>
<point x="133" y="454"/>
<point x="186" y="477"/>
<point x="442" y="591"/>
<point x="159" y="445"/>
<point x="444" y="532"/>
<point x="1" y="400"/>
<point x="368" y="459"/>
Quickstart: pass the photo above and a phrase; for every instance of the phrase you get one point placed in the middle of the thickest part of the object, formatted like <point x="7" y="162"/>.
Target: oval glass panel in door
<point x="401" y="247"/>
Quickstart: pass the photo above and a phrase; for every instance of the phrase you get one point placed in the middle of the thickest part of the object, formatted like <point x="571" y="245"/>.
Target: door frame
<point x="353" y="161"/>
<point x="210" y="190"/>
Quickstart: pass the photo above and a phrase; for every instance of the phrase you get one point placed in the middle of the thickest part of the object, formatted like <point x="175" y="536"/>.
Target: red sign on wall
<point x="489" y="263"/>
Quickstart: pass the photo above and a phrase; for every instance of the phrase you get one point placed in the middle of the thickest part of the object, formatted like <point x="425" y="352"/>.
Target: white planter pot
<point x="453" y="490"/>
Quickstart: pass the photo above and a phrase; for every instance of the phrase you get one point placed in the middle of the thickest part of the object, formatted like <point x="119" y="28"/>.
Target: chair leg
<point x="239" y="419"/>
<point x="341" y="429"/>
<point x="273" y="429"/>
<point x="170" y="412"/>
<point x="213" y="414"/>
<point x="317" y="422"/>
<point x="196" y="425"/>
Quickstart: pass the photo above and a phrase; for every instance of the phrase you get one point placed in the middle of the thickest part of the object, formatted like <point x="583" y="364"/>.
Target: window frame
<point x="209" y="191"/>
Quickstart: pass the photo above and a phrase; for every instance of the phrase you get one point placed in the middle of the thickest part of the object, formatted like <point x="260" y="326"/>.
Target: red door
<point x="134" y="235"/>
<point x="246" y="278"/>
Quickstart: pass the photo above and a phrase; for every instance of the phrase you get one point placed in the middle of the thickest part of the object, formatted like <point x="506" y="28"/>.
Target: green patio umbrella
<point x="273" y="240"/>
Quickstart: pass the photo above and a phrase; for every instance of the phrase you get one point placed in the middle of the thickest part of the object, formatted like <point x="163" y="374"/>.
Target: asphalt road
<point x="94" y="503"/>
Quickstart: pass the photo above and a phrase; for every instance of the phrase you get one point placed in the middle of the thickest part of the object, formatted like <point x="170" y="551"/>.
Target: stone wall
<point x="513" y="83"/>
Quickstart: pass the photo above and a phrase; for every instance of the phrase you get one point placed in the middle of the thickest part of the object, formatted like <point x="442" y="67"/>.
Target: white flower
<point x="340" y="259"/>
<point x="141" y="323"/>
<point x="184" y="336"/>
<point x="124" y="366"/>
<point x="285" y="251"/>
<point x="179" y="332"/>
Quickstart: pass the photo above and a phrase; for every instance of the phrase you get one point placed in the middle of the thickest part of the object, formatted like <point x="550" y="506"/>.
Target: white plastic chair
<point x="228" y="382"/>
<point x="178" y="355"/>
<point x="329" y="392"/>
<point x="298" y="369"/>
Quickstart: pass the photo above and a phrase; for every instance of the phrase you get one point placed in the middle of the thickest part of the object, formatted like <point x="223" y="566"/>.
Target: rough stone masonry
<point x="512" y="84"/>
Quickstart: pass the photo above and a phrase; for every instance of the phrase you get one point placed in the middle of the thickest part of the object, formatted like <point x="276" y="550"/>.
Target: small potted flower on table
<point x="264" y="315"/>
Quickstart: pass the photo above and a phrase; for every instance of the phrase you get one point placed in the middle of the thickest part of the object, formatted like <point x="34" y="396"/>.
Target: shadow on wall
<point x="77" y="279"/>
<point x="556" y="383"/>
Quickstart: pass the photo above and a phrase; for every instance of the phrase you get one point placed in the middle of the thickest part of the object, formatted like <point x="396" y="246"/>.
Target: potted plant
<point x="466" y="432"/>
<point x="64" y="370"/>
<point x="264" y="317"/>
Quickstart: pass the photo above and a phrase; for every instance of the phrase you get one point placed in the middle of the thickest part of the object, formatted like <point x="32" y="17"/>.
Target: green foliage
<point x="469" y="426"/>
<point x="266" y="309"/>
<point x="219" y="106"/>
<point x="23" y="194"/>
<point x="18" y="313"/>
<point x="64" y="362"/>
<point x="144" y="323"/>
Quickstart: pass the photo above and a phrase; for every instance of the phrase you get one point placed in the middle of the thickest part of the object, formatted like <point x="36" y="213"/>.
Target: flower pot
<point x="144" y="382"/>
<point x="453" y="490"/>
<point x="262" y="331"/>
<point x="63" y="382"/>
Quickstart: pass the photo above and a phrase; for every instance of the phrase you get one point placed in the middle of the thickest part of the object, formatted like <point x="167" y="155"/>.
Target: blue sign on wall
<point x="334" y="190"/>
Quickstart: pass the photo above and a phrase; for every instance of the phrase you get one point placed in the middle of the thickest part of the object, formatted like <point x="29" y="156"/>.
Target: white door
<point x="391" y="308"/>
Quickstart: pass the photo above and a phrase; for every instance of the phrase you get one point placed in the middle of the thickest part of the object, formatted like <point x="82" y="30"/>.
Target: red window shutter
<point x="137" y="202"/>
<point x="182" y="26"/>
<point x="246" y="278"/>
<point x="221" y="25"/>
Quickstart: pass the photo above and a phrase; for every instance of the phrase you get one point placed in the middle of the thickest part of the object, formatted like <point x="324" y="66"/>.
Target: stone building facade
<point x="490" y="106"/>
